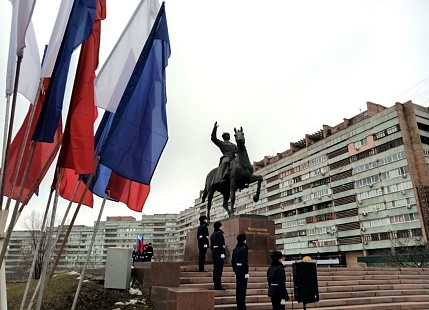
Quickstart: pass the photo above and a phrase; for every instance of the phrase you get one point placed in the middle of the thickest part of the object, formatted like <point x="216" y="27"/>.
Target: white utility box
<point x="118" y="268"/>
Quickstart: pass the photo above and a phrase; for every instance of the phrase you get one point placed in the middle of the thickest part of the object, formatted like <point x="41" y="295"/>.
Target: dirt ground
<point x="93" y="296"/>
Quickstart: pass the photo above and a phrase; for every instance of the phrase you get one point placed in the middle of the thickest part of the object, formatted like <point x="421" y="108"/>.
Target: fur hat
<point x="217" y="225"/>
<point x="276" y="255"/>
<point x="202" y="218"/>
<point x="241" y="237"/>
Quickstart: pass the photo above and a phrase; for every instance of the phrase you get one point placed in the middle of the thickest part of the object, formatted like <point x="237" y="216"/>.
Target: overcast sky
<point x="280" y="69"/>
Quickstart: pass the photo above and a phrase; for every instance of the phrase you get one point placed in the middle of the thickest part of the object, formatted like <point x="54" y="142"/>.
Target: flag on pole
<point x="56" y="37"/>
<point x="139" y="131"/>
<point x="138" y="242"/>
<point x="68" y="184"/>
<point x="131" y="193"/>
<point x="141" y="243"/>
<point x="26" y="8"/>
<point x="78" y="28"/>
<point x="106" y="183"/>
<point x="77" y="150"/>
<point x="39" y="162"/>
<point x="116" y="71"/>
<point x="29" y="79"/>
<point x="22" y="35"/>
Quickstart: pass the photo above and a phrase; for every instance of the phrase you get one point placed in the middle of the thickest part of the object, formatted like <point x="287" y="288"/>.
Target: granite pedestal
<point x="260" y="239"/>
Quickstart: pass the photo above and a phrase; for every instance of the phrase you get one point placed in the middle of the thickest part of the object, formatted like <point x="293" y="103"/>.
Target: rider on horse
<point x="228" y="150"/>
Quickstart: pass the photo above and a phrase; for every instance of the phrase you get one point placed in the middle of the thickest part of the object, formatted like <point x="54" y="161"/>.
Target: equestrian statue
<point x="235" y="172"/>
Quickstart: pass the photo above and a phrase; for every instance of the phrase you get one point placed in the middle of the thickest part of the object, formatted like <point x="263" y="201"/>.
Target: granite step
<point x="332" y="302"/>
<point x="382" y="306"/>
<point x="339" y="288"/>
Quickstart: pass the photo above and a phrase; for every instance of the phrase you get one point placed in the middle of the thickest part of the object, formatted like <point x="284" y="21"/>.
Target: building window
<point x="360" y="143"/>
<point x="386" y="132"/>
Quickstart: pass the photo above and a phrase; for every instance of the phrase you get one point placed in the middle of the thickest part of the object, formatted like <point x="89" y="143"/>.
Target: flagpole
<point x="48" y="242"/>
<point x="21" y="155"/>
<point x="15" y="209"/>
<point x="82" y="273"/>
<point x="4" y="213"/>
<point x="42" y="172"/>
<point x="60" y="251"/>
<point x="60" y="228"/>
<point x="3" y="293"/>
<point x="5" y="135"/>
<point x="36" y="253"/>
<point x="9" y="132"/>
<point x="30" y="305"/>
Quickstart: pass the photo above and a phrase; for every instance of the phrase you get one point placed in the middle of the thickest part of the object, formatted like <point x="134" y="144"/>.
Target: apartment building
<point x="347" y="190"/>
<point x="342" y="192"/>
<point x="160" y="230"/>
<point x="116" y="231"/>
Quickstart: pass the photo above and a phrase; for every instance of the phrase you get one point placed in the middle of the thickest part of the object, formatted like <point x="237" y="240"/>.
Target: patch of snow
<point x="72" y="272"/>
<point x="135" y="291"/>
<point x="85" y="280"/>
<point x="120" y="303"/>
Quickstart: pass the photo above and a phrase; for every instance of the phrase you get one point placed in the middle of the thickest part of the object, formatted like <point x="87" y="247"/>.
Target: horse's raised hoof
<point x="255" y="198"/>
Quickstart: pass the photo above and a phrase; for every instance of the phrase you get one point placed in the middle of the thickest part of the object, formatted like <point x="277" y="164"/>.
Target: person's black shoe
<point x="219" y="288"/>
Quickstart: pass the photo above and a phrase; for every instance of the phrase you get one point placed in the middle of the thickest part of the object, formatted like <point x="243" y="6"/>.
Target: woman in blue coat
<point x="276" y="277"/>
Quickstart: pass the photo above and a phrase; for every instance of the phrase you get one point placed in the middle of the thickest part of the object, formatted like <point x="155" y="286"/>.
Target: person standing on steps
<point x="203" y="242"/>
<point x="276" y="277"/>
<point x="149" y="252"/>
<point x="217" y="246"/>
<point x="240" y="266"/>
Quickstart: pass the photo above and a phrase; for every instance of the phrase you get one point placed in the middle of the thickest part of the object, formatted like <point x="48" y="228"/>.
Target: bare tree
<point x="407" y="253"/>
<point x="33" y="224"/>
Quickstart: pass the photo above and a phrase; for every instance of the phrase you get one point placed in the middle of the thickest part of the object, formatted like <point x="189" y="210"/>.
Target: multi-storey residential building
<point x="347" y="190"/>
<point x="342" y="192"/>
<point x="160" y="230"/>
<point x="119" y="231"/>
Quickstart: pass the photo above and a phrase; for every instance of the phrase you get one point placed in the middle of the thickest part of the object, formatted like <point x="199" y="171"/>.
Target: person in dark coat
<point x="217" y="246"/>
<point x="149" y="252"/>
<point x="134" y="254"/>
<point x="239" y="262"/>
<point x="144" y="254"/>
<point x="203" y="242"/>
<point x="276" y="277"/>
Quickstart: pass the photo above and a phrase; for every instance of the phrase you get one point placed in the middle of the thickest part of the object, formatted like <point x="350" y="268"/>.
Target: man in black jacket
<point x="240" y="259"/>
<point x="276" y="277"/>
<point x="203" y="242"/>
<point x="217" y="245"/>
<point x="149" y="252"/>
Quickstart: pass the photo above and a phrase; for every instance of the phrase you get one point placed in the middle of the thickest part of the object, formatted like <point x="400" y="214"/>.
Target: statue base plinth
<point x="260" y="239"/>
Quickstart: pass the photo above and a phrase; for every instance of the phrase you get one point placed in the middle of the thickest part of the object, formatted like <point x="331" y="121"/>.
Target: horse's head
<point x="239" y="136"/>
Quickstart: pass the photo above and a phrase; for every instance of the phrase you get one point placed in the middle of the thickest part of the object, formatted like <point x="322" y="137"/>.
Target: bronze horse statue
<point x="240" y="176"/>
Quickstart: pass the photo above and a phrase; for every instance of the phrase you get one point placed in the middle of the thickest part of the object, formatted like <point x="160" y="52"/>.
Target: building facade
<point x="348" y="190"/>
<point x="342" y="192"/>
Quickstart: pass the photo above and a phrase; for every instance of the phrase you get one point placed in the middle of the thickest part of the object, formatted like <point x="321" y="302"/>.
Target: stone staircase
<point x="339" y="288"/>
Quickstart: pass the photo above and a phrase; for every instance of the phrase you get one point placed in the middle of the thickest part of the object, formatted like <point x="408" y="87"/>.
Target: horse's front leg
<point x="256" y="178"/>
<point x="233" y="188"/>
<point x="209" y="204"/>
<point x="225" y="204"/>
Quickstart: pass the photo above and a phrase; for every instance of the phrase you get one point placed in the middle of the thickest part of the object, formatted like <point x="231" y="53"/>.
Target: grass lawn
<point x="60" y="295"/>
